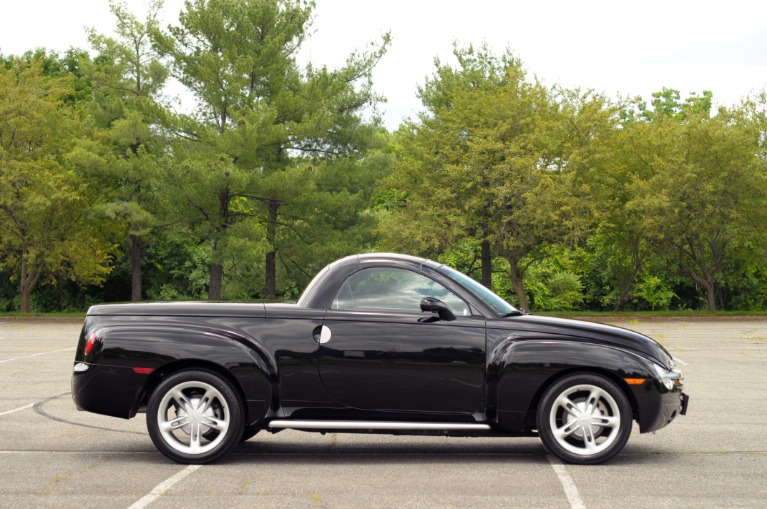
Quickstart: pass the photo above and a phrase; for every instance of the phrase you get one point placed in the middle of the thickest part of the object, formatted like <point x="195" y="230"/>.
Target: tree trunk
<point x="271" y="256"/>
<point x="216" y="277"/>
<point x="708" y="285"/>
<point x="628" y="282"/>
<point x="518" y="284"/>
<point x="25" y="306"/>
<point x="710" y="298"/>
<point x="487" y="265"/>
<point x="217" y="269"/>
<point x="25" y="299"/>
<point x="27" y="281"/>
<point x="135" y="256"/>
<point x="626" y="288"/>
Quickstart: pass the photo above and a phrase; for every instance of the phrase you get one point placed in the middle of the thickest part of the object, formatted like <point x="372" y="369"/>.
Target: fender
<point x="522" y="367"/>
<point x="154" y="348"/>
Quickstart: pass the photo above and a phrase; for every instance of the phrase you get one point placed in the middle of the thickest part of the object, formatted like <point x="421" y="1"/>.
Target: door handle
<point x="322" y="334"/>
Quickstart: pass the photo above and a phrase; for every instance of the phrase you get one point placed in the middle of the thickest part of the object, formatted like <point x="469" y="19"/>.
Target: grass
<point x="640" y="315"/>
<point x="57" y="314"/>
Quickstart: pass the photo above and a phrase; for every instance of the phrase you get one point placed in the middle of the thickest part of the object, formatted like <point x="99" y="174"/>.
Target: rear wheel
<point x="584" y="418"/>
<point x="195" y="416"/>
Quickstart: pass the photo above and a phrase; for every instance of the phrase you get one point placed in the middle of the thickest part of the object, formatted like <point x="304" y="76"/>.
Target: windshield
<point x="497" y="304"/>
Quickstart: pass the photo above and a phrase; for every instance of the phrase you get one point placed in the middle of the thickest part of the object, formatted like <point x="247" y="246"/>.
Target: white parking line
<point x="37" y="354"/>
<point x="17" y="409"/>
<point x="571" y="491"/>
<point x="680" y="361"/>
<point x="164" y="486"/>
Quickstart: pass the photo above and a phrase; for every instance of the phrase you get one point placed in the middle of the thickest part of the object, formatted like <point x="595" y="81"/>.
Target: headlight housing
<point x="669" y="378"/>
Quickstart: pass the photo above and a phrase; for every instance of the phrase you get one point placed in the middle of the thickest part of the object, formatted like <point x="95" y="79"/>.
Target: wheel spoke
<point x="181" y="399"/>
<point x="589" y="441"/>
<point x="217" y="424"/>
<point x="606" y="421"/>
<point x="205" y="401"/>
<point x="568" y="406"/>
<point x="565" y="431"/>
<point x="195" y="437"/>
<point x="592" y="404"/>
<point x="174" y="424"/>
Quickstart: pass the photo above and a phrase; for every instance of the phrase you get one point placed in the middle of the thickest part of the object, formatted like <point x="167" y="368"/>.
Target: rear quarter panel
<point x="244" y="349"/>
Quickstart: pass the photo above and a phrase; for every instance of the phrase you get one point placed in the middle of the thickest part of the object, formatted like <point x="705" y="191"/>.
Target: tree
<point x="122" y="154"/>
<point x="683" y="182"/>
<point x="706" y="199"/>
<point x="46" y="232"/>
<point x="489" y="160"/>
<point x="261" y="117"/>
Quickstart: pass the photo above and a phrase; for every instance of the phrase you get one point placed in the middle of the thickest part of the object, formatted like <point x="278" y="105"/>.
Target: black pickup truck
<point x="377" y="343"/>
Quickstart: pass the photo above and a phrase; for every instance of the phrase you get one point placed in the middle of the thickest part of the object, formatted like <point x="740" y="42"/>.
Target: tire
<point x="195" y="417"/>
<point x="584" y="419"/>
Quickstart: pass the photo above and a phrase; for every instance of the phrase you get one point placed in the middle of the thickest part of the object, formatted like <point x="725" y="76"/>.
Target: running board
<point x="374" y="425"/>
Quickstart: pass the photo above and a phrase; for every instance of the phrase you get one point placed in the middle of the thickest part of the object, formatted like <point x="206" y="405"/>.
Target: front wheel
<point x="195" y="416"/>
<point x="584" y="418"/>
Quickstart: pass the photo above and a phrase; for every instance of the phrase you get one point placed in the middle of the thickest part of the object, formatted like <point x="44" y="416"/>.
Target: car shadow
<point x="378" y="452"/>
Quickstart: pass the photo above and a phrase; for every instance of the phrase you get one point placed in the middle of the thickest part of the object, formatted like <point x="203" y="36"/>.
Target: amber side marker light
<point x="634" y="381"/>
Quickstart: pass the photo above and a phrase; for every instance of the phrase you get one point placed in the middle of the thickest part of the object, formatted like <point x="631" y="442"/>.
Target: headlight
<point x="668" y="378"/>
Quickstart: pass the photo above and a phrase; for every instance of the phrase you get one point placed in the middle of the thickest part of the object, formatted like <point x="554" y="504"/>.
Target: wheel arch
<point x="254" y="409"/>
<point x="158" y="375"/>
<point x="530" y="415"/>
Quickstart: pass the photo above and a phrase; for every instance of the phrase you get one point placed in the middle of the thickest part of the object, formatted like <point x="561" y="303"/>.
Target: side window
<point x="393" y="290"/>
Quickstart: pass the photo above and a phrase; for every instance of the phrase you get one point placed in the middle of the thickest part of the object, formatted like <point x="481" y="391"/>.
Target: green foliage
<point x="653" y="291"/>
<point x="667" y="104"/>
<point x="555" y="280"/>
<point x="496" y="157"/>
<point x="47" y="234"/>
<point x="107" y="194"/>
<point x="264" y="129"/>
<point x="122" y="155"/>
<point x="176" y="268"/>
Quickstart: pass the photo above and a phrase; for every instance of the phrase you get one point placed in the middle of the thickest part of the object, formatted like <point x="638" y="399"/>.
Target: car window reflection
<point x="393" y="290"/>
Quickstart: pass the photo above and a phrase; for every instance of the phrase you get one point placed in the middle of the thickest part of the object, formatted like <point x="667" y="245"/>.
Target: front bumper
<point x="658" y="406"/>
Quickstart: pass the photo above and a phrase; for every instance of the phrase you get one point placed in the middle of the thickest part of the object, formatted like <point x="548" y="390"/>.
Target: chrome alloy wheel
<point x="584" y="419"/>
<point x="193" y="417"/>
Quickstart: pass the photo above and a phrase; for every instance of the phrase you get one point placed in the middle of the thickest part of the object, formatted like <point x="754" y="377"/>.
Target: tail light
<point x="90" y="343"/>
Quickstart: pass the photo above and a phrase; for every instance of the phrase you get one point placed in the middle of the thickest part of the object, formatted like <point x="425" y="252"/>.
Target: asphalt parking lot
<point x="51" y="455"/>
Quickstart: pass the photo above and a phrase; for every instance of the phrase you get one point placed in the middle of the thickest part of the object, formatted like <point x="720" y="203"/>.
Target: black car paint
<point x="379" y="366"/>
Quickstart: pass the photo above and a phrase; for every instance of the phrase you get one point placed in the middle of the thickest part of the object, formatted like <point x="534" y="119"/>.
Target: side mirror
<point x="433" y="305"/>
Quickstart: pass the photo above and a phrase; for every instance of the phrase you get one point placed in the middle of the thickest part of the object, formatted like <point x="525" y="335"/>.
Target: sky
<point x="620" y="48"/>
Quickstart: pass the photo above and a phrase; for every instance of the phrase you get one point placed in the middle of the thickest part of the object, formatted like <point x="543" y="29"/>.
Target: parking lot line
<point x="571" y="491"/>
<point x="38" y="354"/>
<point x="680" y="361"/>
<point x="164" y="486"/>
<point x="17" y="409"/>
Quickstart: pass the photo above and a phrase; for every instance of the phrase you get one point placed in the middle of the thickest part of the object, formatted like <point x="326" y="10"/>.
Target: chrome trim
<point x="436" y="426"/>
<point x="668" y="374"/>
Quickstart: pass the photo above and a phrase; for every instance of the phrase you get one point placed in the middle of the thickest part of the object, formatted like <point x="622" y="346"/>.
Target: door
<point x="379" y="351"/>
